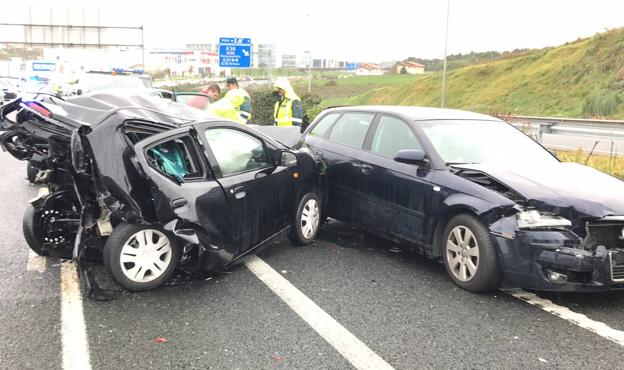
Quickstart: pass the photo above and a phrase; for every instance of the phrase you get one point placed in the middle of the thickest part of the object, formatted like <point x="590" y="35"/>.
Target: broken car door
<point x="260" y="193"/>
<point x="184" y="187"/>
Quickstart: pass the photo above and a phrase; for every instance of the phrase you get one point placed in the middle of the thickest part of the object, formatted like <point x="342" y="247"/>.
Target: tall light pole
<point x="448" y="10"/>
<point x="309" y="71"/>
<point x="309" y="16"/>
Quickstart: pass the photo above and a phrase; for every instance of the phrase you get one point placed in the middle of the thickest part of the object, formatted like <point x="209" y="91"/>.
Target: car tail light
<point x="41" y="110"/>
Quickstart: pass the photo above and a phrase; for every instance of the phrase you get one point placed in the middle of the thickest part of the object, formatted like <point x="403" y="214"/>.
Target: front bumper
<point x="530" y="259"/>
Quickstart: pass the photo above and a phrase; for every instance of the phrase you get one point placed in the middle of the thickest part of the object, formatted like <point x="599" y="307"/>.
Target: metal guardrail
<point x="609" y="129"/>
<point x="570" y="134"/>
<point x="573" y="133"/>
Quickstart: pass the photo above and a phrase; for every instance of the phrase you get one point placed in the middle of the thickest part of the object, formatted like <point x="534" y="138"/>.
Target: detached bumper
<point x="553" y="261"/>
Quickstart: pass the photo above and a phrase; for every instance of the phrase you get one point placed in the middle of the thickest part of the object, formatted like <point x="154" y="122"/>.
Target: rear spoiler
<point x="46" y="111"/>
<point x="9" y="107"/>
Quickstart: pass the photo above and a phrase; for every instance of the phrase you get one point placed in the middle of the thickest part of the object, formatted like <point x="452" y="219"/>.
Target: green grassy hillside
<point x="579" y="79"/>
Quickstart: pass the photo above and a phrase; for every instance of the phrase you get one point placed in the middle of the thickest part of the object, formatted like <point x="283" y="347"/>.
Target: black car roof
<point x="418" y="113"/>
<point x="92" y="108"/>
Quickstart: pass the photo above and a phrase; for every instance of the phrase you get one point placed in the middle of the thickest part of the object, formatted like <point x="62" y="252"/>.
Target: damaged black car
<point x="148" y="185"/>
<point x="472" y="191"/>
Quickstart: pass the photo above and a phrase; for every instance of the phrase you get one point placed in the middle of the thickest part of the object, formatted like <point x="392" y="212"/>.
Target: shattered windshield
<point x="490" y="142"/>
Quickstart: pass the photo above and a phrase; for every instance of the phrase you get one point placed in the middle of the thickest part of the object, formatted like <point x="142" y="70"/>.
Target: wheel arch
<point x="443" y="220"/>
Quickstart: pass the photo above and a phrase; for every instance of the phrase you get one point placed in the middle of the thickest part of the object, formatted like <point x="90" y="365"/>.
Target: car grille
<point x="617" y="268"/>
<point x="608" y="234"/>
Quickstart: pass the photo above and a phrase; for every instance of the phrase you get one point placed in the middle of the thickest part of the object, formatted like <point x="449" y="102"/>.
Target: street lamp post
<point x="270" y="67"/>
<point x="309" y="17"/>
<point x="448" y="10"/>
<point x="309" y="71"/>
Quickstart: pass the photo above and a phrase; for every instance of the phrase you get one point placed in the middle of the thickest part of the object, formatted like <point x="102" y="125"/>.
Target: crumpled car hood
<point x="568" y="189"/>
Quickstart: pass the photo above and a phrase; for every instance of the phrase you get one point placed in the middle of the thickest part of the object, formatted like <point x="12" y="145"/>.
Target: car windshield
<point x="100" y="82"/>
<point x="489" y="142"/>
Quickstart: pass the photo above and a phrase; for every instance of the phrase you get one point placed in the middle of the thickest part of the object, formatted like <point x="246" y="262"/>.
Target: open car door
<point x="195" y="100"/>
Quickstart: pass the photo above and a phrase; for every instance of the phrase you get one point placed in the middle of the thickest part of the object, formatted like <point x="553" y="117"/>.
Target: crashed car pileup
<point x="148" y="185"/>
<point x="474" y="192"/>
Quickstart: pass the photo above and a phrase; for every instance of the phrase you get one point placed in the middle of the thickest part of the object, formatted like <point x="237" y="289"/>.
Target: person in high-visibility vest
<point x="235" y="105"/>
<point x="225" y="109"/>
<point x="240" y="99"/>
<point x="288" y="109"/>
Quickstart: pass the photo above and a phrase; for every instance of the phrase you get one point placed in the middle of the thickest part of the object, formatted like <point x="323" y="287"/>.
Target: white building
<point x="289" y="60"/>
<point x="411" y="68"/>
<point x="184" y="62"/>
<point x="263" y="55"/>
<point x="369" y="69"/>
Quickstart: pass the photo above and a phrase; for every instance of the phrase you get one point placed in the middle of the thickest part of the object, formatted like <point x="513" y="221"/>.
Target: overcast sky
<point x="352" y="30"/>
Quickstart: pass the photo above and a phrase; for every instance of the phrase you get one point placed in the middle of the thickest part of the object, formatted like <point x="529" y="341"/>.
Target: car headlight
<point x="534" y="218"/>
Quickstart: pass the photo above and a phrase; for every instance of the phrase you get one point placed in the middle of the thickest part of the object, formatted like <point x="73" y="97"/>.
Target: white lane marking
<point x="565" y="313"/>
<point x="73" y="328"/>
<point x="36" y="262"/>
<point x="350" y="347"/>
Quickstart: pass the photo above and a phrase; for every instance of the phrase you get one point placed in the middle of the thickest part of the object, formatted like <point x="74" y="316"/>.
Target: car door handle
<point x="178" y="203"/>
<point x="366" y="169"/>
<point x="238" y="192"/>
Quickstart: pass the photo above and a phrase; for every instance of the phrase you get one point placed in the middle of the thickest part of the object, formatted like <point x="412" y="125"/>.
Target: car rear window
<point x="325" y="123"/>
<point x="351" y="129"/>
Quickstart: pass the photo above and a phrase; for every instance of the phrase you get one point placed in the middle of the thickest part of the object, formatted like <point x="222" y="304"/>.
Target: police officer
<point x="235" y="105"/>
<point x="239" y="98"/>
<point x="288" y="109"/>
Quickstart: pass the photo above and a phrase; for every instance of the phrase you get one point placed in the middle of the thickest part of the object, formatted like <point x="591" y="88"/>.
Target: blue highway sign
<point x="234" y="52"/>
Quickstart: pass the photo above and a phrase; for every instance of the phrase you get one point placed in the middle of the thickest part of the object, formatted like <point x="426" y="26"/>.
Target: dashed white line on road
<point x="36" y="262"/>
<point x="349" y="346"/>
<point x="565" y="313"/>
<point x="73" y="328"/>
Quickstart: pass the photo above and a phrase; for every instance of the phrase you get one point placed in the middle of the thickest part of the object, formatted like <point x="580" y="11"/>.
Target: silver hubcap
<point x="145" y="255"/>
<point x="310" y="219"/>
<point x="462" y="253"/>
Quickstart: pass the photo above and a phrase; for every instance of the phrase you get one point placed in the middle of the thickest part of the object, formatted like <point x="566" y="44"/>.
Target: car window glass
<point x="393" y="135"/>
<point x="351" y="129"/>
<point x="176" y="158"/>
<point x="236" y="151"/>
<point x="321" y="127"/>
<point x="195" y="101"/>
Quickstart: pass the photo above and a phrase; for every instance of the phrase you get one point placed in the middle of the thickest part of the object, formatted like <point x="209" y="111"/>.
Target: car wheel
<point x="31" y="173"/>
<point x="307" y="220"/>
<point x="30" y="230"/>
<point x="470" y="255"/>
<point x="140" y="257"/>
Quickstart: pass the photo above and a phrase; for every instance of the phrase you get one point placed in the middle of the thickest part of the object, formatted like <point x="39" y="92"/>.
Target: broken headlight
<point x="536" y="219"/>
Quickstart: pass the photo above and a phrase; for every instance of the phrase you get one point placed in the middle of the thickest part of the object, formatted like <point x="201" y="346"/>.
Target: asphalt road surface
<point x="378" y="301"/>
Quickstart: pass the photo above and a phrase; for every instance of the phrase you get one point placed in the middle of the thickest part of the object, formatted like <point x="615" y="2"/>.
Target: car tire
<point x="469" y="254"/>
<point x="30" y="230"/>
<point x="307" y="220"/>
<point x="132" y="252"/>
<point x="31" y="173"/>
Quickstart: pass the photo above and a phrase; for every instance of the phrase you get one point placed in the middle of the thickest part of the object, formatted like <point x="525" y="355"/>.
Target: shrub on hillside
<point x="262" y="102"/>
<point x="601" y="103"/>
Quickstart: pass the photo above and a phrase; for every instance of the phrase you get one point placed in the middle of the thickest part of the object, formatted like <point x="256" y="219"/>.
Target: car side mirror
<point x="79" y="92"/>
<point x="412" y="156"/>
<point x="288" y="159"/>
